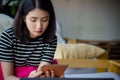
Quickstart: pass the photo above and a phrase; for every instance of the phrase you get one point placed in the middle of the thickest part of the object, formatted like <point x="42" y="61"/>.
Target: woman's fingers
<point x="52" y="74"/>
<point x="62" y="76"/>
<point x="35" y="74"/>
<point x="47" y="74"/>
<point x="43" y="76"/>
<point x="39" y="68"/>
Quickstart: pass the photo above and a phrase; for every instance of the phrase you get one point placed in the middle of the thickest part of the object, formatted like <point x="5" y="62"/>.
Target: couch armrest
<point x="114" y="66"/>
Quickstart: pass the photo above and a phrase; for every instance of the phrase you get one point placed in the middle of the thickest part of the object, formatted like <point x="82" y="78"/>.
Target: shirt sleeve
<point x="6" y="53"/>
<point x="49" y="51"/>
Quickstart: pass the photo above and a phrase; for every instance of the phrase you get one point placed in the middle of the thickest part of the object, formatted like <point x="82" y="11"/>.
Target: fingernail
<point x="52" y="71"/>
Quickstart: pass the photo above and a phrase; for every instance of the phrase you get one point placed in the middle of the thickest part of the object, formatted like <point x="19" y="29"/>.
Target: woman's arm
<point x="8" y="71"/>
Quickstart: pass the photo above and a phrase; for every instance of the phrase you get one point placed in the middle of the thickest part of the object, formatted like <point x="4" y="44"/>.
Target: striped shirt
<point x="32" y="53"/>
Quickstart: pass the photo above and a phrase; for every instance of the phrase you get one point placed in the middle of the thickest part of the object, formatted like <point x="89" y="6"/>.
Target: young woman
<point x="30" y="43"/>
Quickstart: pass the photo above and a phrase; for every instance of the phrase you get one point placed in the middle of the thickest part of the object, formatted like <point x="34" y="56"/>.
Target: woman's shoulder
<point x="7" y="36"/>
<point x="8" y="32"/>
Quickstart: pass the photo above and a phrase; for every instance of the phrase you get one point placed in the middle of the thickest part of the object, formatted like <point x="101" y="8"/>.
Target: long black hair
<point x="25" y="7"/>
<point x="1" y="6"/>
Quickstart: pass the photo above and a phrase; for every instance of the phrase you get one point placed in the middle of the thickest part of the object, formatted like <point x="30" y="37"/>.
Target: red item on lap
<point x="24" y="71"/>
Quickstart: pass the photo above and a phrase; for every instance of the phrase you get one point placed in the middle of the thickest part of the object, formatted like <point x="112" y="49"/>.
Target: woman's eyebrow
<point x="45" y="17"/>
<point x="41" y="17"/>
<point x="34" y="17"/>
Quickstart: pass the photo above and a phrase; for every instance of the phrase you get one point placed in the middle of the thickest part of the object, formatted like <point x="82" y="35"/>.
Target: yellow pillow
<point x="80" y="50"/>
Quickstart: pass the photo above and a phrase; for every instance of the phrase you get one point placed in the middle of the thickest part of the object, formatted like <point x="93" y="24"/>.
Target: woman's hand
<point x="48" y="74"/>
<point x="51" y="74"/>
<point x="42" y="64"/>
<point x="35" y="74"/>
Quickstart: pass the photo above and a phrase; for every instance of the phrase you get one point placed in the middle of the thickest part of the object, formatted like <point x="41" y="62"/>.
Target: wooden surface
<point x="112" y="66"/>
<point x="84" y="63"/>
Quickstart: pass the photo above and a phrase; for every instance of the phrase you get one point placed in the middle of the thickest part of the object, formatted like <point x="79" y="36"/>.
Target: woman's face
<point x="37" y="22"/>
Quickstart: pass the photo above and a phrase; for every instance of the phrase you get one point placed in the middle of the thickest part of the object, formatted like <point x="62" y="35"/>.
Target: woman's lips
<point x="38" y="32"/>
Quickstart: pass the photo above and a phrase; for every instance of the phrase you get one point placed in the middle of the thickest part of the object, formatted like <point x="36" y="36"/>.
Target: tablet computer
<point x="57" y="68"/>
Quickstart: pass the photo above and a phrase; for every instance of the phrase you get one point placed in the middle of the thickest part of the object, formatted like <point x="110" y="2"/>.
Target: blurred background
<point x="90" y="21"/>
<point x="82" y="19"/>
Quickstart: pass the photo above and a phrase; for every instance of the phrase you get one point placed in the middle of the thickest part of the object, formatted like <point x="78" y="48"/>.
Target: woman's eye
<point x="45" y="19"/>
<point x="33" y="20"/>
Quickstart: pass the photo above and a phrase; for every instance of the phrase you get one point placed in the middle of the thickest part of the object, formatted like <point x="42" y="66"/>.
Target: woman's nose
<point x="39" y="24"/>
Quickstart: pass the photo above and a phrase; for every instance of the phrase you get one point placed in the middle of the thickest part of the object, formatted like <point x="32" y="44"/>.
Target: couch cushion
<point x="80" y="50"/>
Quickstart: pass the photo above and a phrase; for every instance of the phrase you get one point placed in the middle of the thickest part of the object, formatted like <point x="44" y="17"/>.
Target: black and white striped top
<point x="32" y="53"/>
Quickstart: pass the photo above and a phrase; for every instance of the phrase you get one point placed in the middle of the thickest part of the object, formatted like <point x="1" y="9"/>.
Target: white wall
<point x="89" y="19"/>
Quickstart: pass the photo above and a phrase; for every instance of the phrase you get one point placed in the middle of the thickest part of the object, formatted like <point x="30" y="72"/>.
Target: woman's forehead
<point x="38" y="13"/>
